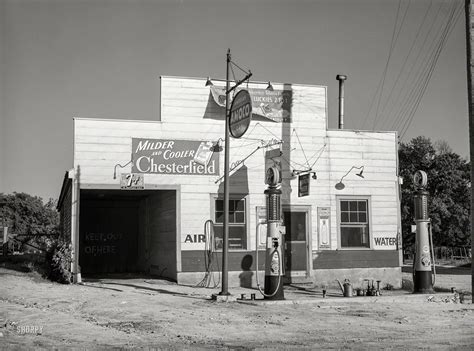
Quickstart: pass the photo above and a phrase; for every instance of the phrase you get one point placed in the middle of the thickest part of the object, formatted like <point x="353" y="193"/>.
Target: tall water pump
<point x="422" y="261"/>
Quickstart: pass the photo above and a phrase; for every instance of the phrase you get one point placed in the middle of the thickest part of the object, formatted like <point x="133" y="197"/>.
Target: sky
<point x="61" y="59"/>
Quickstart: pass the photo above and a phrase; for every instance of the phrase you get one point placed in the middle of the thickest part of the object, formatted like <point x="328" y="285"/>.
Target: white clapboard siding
<point x="188" y="112"/>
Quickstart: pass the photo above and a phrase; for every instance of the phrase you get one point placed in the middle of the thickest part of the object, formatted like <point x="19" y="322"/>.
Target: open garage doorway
<point x="128" y="231"/>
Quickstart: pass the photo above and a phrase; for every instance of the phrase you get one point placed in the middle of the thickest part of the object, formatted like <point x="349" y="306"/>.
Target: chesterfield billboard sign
<point x="165" y="156"/>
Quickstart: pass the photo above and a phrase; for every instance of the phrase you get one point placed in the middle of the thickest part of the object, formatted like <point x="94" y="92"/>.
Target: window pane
<point x="344" y="216"/>
<point x="239" y="217"/>
<point x="218" y="237"/>
<point x="239" y="205"/>
<point x="362" y="217"/>
<point x="237" y="238"/>
<point x="353" y="205"/>
<point x="354" y="236"/>
<point x="219" y="217"/>
<point x="237" y="226"/>
<point x="353" y="217"/>
<point x="362" y="206"/>
<point x="344" y="206"/>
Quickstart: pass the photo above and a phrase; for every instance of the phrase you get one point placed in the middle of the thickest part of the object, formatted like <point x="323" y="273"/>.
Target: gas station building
<point x="141" y="194"/>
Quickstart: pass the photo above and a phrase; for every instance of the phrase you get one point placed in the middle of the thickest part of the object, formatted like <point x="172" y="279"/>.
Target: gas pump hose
<point x="256" y="270"/>
<point x="432" y="254"/>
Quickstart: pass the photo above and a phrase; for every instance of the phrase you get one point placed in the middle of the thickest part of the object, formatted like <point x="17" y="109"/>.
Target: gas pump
<point x="423" y="261"/>
<point x="274" y="252"/>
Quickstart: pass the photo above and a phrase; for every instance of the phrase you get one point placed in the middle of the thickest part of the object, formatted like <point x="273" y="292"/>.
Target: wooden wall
<point x="188" y="112"/>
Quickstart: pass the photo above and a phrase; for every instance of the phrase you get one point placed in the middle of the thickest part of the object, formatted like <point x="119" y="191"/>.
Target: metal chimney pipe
<point x="341" y="78"/>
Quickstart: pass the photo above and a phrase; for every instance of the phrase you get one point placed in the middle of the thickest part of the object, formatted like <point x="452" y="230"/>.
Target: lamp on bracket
<point x="270" y="86"/>
<point x="121" y="166"/>
<point x="217" y="147"/>
<point x="340" y="185"/>
<point x="209" y="82"/>
<point x="297" y="172"/>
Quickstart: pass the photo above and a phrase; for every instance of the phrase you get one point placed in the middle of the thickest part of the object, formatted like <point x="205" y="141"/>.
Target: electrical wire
<point x="422" y="78"/>
<point x="390" y="52"/>
<point x="392" y="47"/>
<point x="408" y="93"/>
<point x="446" y="33"/>
<point x="236" y="65"/>
<point x="405" y="62"/>
<point x="301" y="146"/>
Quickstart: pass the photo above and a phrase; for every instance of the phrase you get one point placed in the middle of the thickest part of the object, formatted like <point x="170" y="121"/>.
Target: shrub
<point x="58" y="261"/>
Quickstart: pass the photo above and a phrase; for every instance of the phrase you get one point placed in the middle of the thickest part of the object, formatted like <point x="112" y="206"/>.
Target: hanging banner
<point x="165" y="156"/>
<point x="272" y="105"/>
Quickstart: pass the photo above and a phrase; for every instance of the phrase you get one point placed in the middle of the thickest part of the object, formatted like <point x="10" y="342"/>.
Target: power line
<point x="409" y="93"/>
<point x="453" y="19"/>
<point x="387" y="64"/>
<point x="389" y="54"/>
<point x="400" y="73"/>
<point x="424" y="76"/>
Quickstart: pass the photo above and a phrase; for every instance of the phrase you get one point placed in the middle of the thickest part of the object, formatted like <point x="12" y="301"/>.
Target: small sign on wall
<point x="385" y="242"/>
<point x="303" y="185"/>
<point x="132" y="181"/>
<point x="324" y="228"/>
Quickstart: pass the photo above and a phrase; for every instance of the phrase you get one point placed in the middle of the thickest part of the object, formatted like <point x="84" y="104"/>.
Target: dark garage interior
<point x="128" y="231"/>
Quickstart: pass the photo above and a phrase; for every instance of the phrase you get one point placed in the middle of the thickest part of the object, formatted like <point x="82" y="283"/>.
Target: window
<point x="237" y="224"/>
<point x="354" y="223"/>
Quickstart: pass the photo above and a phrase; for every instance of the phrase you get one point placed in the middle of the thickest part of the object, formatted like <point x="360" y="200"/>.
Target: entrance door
<point x="296" y="221"/>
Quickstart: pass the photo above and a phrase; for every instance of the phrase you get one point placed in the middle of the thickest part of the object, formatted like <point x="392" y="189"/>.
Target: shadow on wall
<point x="238" y="180"/>
<point x="247" y="275"/>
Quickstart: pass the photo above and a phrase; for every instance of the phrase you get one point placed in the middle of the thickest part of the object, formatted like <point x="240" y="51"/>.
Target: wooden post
<point x="469" y="55"/>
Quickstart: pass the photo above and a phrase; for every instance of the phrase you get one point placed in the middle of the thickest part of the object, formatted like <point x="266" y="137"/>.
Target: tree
<point x="26" y="214"/>
<point x="448" y="186"/>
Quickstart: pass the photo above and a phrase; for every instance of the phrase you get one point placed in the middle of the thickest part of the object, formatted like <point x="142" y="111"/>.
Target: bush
<point x="58" y="261"/>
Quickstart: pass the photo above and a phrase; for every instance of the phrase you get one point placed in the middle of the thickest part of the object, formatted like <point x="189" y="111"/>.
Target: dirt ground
<point x="145" y="312"/>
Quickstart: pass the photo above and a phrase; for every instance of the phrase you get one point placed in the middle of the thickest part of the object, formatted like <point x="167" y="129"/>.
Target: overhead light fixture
<point x="217" y="147"/>
<point x="209" y="82"/>
<point x="270" y="86"/>
<point x="119" y="165"/>
<point x="340" y="185"/>
<point x="314" y="176"/>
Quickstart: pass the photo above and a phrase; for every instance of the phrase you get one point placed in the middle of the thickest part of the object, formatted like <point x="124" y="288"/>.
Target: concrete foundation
<point x="357" y="276"/>
<point x="320" y="277"/>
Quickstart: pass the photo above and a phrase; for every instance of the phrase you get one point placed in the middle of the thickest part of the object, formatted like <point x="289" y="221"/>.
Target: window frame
<point x="366" y="198"/>
<point x="246" y="223"/>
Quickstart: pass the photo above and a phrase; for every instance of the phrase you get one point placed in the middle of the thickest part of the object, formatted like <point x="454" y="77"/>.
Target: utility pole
<point x="225" y="234"/>
<point x="469" y="55"/>
<point x="229" y="129"/>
